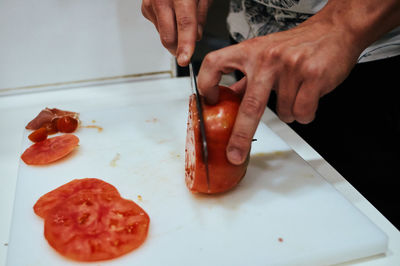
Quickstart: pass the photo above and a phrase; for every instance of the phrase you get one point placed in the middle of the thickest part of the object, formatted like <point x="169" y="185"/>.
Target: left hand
<point x="301" y="64"/>
<point x="179" y="23"/>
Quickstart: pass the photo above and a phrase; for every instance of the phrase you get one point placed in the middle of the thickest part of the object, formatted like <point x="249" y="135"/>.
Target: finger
<point x="202" y="9"/>
<point x="216" y="63"/>
<point x="306" y="102"/>
<point x="250" y="111"/>
<point x="148" y="12"/>
<point x="166" y="26"/>
<point x="287" y="90"/>
<point x="239" y="86"/>
<point x="186" y="21"/>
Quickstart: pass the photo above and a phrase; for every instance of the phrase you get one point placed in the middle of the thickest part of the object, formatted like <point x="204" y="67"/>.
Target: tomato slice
<point x="218" y="120"/>
<point x="90" y="226"/>
<point x="50" y="150"/>
<point x="53" y="198"/>
<point x="38" y="135"/>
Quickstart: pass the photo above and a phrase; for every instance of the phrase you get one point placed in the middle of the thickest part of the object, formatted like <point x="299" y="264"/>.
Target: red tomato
<point x="218" y="120"/>
<point x="67" y="124"/>
<point x="50" y="150"/>
<point x="38" y="135"/>
<point x="53" y="198"/>
<point x="89" y="226"/>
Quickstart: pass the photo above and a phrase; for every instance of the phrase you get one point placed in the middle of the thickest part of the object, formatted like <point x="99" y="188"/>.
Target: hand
<point x="301" y="65"/>
<point x="179" y="22"/>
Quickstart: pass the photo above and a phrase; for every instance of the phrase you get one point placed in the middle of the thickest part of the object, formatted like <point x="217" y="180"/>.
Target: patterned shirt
<point x="251" y="18"/>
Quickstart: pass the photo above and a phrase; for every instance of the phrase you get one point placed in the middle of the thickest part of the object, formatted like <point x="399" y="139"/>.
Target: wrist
<point x="359" y="22"/>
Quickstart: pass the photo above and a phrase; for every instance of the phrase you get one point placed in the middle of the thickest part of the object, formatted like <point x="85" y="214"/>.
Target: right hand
<point x="179" y="22"/>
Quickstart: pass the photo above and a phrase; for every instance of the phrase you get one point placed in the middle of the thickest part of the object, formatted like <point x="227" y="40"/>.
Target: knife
<point x="201" y="121"/>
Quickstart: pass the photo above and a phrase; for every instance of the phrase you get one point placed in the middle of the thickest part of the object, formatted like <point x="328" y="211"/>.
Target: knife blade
<point x="201" y="122"/>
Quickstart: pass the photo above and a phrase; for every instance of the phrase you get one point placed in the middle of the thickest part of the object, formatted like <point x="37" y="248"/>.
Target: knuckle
<point x="146" y="6"/>
<point x="185" y="22"/>
<point x="210" y="59"/>
<point x="252" y="106"/>
<point x="312" y="70"/>
<point x="274" y="53"/>
<point x="293" y="60"/>
<point x="158" y="6"/>
<point x="241" y="138"/>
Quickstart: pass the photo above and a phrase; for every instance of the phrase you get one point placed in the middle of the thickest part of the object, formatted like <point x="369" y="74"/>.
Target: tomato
<point x="218" y="120"/>
<point x="38" y="135"/>
<point x="53" y="198"/>
<point x="50" y="150"/>
<point x="90" y="226"/>
<point x="67" y="124"/>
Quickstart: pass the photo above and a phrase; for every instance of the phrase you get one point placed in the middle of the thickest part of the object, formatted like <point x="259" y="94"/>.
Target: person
<point x="326" y="64"/>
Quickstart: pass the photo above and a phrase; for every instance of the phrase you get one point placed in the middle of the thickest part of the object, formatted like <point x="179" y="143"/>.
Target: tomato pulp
<point x="219" y="120"/>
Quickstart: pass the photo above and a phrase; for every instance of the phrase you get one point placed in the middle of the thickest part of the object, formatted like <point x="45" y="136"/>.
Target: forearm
<point x="362" y="21"/>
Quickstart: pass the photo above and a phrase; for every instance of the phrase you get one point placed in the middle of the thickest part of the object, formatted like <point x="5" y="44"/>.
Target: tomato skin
<point x="50" y="150"/>
<point x="67" y="124"/>
<point x="218" y="120"/>
<point x="38" y="135"/>
<point x="90" y="221"/>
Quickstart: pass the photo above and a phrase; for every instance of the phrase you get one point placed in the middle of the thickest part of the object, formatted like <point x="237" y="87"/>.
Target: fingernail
<point x="183" y="59"/>
<point x="235" y="155"/>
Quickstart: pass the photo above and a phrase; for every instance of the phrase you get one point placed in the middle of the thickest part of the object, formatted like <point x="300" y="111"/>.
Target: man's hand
<point x="301" y="65"/>
<point x="179" y="22"/>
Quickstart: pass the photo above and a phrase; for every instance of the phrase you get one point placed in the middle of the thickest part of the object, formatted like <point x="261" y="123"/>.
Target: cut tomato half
<point x="218" y="120"/>
<point x="53" y="198"/>
<point x="91" y="226"/>
<point x="50" y="150"/>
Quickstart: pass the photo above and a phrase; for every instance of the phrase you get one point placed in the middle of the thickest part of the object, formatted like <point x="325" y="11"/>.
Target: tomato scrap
<point x="50" y="150"/>
<point x="51" y="127"/>
<point x="38" y="135"/>
<point x="218" y="120"/>
<point x="49" y="117"/>
<point x="87" y="220"/>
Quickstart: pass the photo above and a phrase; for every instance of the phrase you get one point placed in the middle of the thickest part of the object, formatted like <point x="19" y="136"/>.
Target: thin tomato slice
<point x="53" y="198"/>
<point x="93" y="227"/>
<point x="38" y="135"/>
<point x="50" y="150"/>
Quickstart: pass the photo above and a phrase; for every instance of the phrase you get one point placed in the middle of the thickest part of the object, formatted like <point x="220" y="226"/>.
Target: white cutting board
<point x="282" y="213"/>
